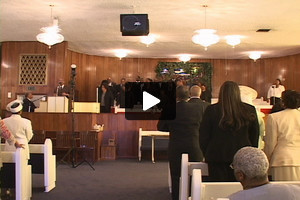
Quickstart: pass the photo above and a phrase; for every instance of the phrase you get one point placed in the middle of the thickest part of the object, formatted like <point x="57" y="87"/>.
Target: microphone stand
<point x="72" y="150"/>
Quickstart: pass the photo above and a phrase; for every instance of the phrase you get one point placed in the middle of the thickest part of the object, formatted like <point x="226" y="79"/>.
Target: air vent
<point x="263" y="30"/>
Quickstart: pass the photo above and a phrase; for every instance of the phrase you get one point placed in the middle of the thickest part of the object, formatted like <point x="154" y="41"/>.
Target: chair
<point x="88" y="142"/>
<point x="63" y="141"/>
<point x="38" y="137"/>
<point x="186" y="171"/>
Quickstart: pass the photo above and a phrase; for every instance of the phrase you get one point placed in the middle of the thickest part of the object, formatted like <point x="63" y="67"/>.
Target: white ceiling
<point x="93" y="26"/>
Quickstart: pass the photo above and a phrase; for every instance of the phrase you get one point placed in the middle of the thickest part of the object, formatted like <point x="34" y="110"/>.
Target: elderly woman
<point x="20" y="127"/>
<point x="251" y="170"/>
<point x="282" y="140"/>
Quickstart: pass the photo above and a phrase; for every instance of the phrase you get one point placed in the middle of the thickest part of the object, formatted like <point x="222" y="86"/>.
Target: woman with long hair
<point x="226" y="127"/>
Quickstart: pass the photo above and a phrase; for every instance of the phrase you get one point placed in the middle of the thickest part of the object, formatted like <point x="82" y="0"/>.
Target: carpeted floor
<point x="124" y="179"/>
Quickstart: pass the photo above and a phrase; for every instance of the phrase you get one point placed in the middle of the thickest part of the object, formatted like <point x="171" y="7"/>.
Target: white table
<point x="154" y="135"/>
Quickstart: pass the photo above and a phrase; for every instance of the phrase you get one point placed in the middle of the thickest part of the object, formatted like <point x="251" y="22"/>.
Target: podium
<point x="58" y="104"/>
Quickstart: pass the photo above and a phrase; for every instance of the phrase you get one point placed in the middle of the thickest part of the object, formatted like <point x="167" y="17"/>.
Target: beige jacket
<point x="21" y="129"/>
<point x="282" y="140"/>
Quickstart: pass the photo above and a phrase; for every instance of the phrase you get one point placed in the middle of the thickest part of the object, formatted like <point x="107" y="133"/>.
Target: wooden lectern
<point x="58" y="104"/>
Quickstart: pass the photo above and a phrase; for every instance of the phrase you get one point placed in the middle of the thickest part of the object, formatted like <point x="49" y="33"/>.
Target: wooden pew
<point x="22" y="172"/>
<point x="186" y="172"/>
<point x="42" y="153"/>
<point x="214" y="190"/>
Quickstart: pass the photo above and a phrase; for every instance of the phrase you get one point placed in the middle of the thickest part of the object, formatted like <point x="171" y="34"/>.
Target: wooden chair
<point x="38" y="137"/>
<point x="88" y="141"/>
<point x="63" y="142"/>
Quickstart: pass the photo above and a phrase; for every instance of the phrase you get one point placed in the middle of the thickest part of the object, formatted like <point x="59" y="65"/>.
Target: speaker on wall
<point x="134" y="24"/>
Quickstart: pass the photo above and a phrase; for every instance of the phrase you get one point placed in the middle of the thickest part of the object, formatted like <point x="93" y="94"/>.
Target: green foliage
<point x="194" y="72"/>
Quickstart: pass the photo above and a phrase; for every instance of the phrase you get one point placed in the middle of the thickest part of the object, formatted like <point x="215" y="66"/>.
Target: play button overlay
<point x="149" y="101"/>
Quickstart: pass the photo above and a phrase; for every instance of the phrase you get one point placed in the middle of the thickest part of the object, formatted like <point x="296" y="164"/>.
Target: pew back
<point x="49" y="161"/>
<point x="22" y="172"/>
<point x="186" y="172"/>
<point x="214" y="190"/>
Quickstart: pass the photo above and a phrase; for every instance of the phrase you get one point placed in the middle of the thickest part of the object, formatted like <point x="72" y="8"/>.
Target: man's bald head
<point x="195" y="91"/>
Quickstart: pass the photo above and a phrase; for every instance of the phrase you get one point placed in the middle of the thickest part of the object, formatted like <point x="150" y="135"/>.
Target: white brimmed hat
<point x="14" y="106"/>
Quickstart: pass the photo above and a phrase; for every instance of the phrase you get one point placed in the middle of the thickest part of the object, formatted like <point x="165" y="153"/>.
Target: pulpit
<point x="58" y="104"/>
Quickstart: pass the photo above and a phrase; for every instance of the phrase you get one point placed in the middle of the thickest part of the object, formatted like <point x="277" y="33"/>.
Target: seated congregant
<point x="251" y="170"/>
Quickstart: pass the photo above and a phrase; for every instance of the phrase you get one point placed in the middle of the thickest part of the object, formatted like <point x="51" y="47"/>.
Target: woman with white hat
<point x="20" y="127"/>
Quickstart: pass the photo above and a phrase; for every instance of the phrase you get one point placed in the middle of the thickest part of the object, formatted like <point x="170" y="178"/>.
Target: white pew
<point x="186" y="171"/>
<point x="214" y="190"/>
<point x="211" y="190"/>
<point x="154" y="135"/>
<point x="22" y="172"/>
<point x="49" y="162"/>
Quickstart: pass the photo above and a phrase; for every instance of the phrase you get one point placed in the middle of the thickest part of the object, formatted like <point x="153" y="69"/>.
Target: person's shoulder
<point x="248" y="106"/>
<point x="285" y="112"/>
<point x="284" y="188"/>
<point x="26" y="120"/>
<point x="237" y="195"/>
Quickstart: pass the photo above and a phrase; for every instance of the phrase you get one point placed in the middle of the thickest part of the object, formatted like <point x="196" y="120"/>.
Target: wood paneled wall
<point x="11" y="52"/>
<point x="91" y="70"/>
<point x="125" y="132"/>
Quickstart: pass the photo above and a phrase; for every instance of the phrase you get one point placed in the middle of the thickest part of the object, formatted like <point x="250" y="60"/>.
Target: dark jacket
<point x="203" y="105"/>
<point x="184" y="130"/>
<point x="28" y="106"/>
<point x="219" y="145"/>
<point x="108" y="101"/>
<point x="184" y="138"/>
<point x="206" y="96"/>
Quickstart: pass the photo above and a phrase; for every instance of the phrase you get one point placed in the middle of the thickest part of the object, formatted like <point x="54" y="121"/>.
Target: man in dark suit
<point x="195" y="92"/>
<point x="184" y="135"/>
<point x="28" y="105"/>
<point x="62" y="89"/>
<point x="120" y="93"/>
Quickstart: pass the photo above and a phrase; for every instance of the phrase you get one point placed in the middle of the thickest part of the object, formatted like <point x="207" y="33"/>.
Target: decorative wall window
<point x="33" y="69"/>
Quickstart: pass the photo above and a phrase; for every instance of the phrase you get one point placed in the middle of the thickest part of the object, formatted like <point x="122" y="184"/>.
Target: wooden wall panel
<point x="91" y="70"/>
<point x="11" y="52"/>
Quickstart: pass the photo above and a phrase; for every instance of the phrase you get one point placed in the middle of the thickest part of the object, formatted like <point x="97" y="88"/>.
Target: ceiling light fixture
<point x="233" y="40"/>
<point x="185" y="58"/>
<point x="254" y="55"/>
<point x="121" y="53"/>
<point x="149" y="39"/>
<point x="50" y="35"/>
<point x="205" y="37"/>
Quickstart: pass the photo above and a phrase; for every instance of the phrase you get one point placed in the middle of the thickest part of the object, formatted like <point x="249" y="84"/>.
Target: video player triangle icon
<point x="149" y="101"/>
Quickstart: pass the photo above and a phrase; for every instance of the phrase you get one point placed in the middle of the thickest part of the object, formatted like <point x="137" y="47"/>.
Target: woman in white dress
<point x="282" y="140"/>
<point x="20" y="127"/>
